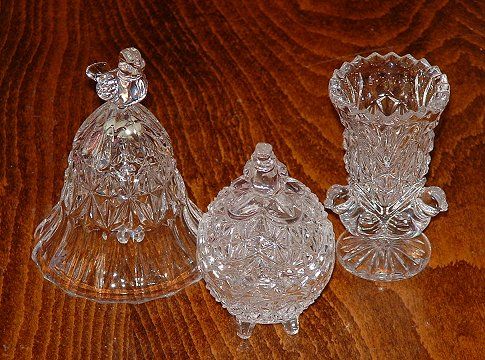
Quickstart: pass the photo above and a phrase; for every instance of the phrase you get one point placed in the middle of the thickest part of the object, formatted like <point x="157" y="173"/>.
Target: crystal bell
<point x="124" y="229"/>
<point x="265" y="246"/>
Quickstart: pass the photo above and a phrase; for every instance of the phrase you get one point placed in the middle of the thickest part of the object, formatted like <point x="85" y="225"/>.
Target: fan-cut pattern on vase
<point x="389" y="106"/>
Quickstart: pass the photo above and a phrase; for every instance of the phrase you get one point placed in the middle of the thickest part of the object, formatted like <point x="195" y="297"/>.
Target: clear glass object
<point x="124" y="229"/>
<point x="265" y="246"/>
<point x="389" y="106"/>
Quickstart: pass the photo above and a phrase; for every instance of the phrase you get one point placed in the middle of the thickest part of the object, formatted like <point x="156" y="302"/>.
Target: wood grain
<point x="223" y="76"/>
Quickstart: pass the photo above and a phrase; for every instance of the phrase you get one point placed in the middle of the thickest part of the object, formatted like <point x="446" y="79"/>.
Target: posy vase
<point x="124" y="229"/>
<point x="389" y="106"/>
<point x="265" y="246"/>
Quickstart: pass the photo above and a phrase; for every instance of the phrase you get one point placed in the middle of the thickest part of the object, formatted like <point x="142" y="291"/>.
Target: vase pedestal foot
<point x="383" y="259"/>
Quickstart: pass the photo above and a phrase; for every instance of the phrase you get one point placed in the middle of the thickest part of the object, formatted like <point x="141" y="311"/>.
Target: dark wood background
<point x="224" y="75"/>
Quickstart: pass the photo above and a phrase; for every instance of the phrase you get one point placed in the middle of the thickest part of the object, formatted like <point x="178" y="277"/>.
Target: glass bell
<point x="124" y="229"/>
<point x="265" y="247"/>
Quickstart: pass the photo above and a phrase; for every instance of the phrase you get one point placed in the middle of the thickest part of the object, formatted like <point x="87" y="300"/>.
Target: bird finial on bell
<point x="125" y="85"/>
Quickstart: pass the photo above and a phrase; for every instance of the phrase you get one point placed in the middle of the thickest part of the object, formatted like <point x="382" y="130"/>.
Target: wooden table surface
<point x="224" y="75"/>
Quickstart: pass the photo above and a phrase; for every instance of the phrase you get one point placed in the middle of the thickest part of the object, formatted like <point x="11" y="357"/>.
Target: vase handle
<point x="432" y="200"/>
<point x="339" y="199"/>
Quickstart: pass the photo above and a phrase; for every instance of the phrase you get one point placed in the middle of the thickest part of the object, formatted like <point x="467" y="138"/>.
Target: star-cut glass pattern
<point x="265" y="246"/>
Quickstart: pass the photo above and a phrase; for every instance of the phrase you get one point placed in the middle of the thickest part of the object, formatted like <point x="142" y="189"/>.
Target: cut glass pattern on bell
<point x="265" y="246"/>
<point x="124" y="229"/>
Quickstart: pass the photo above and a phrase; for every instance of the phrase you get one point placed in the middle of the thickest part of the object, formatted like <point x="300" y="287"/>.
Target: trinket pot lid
<point x="264" y="187"/>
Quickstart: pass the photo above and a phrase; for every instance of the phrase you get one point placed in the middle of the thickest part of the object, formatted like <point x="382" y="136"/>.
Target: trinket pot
<point x="265" y="246"/>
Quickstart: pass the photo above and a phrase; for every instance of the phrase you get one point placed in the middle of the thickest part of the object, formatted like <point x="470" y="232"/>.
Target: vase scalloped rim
<point x="436" y="105"/>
